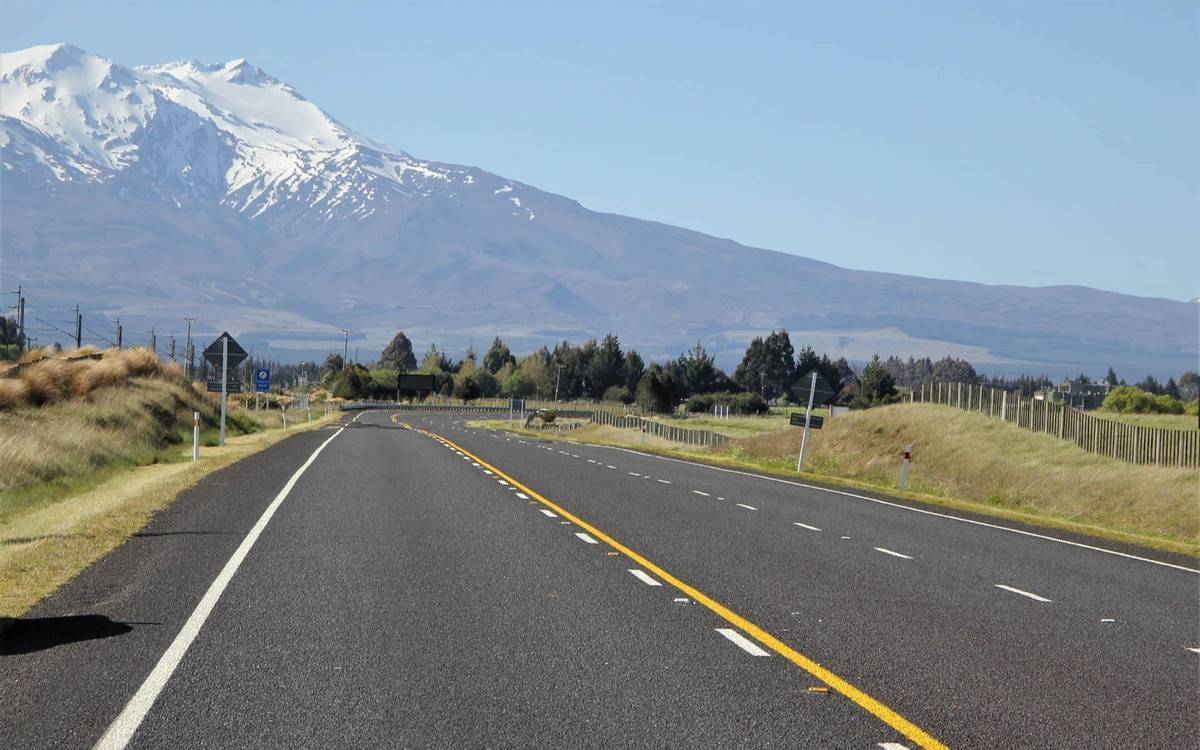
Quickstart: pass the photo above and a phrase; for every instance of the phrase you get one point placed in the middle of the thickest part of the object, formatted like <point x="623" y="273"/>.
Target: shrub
<point x="738" y="403"/>
<point x="1128" y="399"/>
<point x="617" y="394"/>
<point x="547" y="416"/>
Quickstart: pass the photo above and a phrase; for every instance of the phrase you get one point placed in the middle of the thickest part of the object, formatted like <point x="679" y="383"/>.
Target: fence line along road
<point x="1155" y="446"/>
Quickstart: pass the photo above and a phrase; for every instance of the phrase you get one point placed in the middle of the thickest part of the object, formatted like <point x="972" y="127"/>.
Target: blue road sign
<point x="262" y="380"/>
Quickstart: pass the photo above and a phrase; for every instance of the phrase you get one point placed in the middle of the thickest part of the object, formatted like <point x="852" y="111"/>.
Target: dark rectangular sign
<point x="232" y="386"/>
<point x="415" y="382"/>
<point x="797" y="420"/>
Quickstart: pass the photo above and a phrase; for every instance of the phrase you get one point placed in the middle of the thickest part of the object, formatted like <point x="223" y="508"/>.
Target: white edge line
<point x="548" y="513"/>
<point x="742" y="642"/>
<point x="122" y="729"/>
<point x="888" y="503"/>
<point x="893" y="554"/>
<point x="644" y="577"/>
<point x="586" y="538"/>
<point x="1189" y="648"/>
<point x="522" y="495"/>
<point x="1032" y="596"/>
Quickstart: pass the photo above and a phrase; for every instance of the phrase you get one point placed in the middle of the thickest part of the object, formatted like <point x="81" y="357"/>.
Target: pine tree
<point x="399" y="354"/>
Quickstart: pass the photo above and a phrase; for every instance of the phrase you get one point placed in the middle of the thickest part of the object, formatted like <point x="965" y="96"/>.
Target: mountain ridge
<point x="260" y="212"/>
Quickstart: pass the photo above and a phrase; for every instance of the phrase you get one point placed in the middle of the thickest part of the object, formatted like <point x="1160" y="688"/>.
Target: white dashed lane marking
<point x="893" y="554"/>
<point x="747" y="507"/>
<point x="585" y="537"/>
<point x="642" y="576"/>
<point x="805" y="526"/>
<point x="663" y="481"/>
<point x="698" y="492"/>
<point x="522" y="495"/>
<point x="742" y="642"/>
<point x="548" y="513"/>
<point x="1032" y="596"/>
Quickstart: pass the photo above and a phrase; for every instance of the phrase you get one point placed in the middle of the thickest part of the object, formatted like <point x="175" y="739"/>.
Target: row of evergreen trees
<point x="602" y="370"/>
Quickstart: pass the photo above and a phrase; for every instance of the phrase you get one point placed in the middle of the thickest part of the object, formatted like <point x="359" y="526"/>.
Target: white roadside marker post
<point x="812" y="391"/>
<point x="904" y="467"/>
<point x="283" y="408"/>
<point x="195" y="436"/>
<point x="224" y="384"/>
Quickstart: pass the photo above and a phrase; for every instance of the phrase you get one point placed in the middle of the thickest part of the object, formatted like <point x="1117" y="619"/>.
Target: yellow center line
<point x="877" y="709"/>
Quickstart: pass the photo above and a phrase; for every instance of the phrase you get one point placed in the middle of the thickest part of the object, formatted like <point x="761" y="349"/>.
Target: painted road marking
<point x="893" y="746"/>
<point x="869" y="704"/>
<point x="703" y="494"/>
<point x="894" y="554"/>
<point x="747" y="507"/>
<point x="574" y="455"/>
<point x="490" y="474"/>
<point x="805" y="526"/>
<point x="899" y="506"/>
<point x="585" y="538"/>
<point x="742" y="642"/>
<point x="501" y="481"/>
<point x="609" y="466"/>
<point x="1034" y="597"/>
<point x="121" y="731"/>
<point x="522" y="495"/>
<point x="642" y="576"/>
<point x="634" y="474"/>
<point x="663" y="481"/>
<point x="591" y="460"/>
<point x="548" y="513"/>
<point x="1196" y="650"/>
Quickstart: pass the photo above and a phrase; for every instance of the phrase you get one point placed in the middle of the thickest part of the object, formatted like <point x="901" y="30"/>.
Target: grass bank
<point x="969" y="462"/>
<point x="84" y="467"/>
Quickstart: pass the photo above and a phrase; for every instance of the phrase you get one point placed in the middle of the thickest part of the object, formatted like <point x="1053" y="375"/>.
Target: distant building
<point x="1076" y="393"/>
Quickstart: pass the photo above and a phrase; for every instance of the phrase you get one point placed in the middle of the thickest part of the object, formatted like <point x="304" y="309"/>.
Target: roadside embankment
<point x="91" y="447"/>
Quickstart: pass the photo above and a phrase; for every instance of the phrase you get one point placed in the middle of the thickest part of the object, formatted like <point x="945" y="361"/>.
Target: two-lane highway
<point x="404" y="580"/>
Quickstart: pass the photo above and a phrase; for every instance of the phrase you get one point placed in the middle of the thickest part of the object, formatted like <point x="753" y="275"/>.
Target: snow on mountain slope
<point x="230" y="134"/>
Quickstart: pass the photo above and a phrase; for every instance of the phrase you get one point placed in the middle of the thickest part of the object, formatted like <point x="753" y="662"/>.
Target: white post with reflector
<point x="904" y="467"/>
<point x="195" y="436"/>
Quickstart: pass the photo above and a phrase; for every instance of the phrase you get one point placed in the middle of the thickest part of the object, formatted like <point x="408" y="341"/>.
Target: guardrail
<point x="1133" y="443"/>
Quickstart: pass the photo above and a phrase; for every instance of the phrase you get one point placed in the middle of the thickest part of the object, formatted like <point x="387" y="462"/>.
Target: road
<point x="405" y="580"/>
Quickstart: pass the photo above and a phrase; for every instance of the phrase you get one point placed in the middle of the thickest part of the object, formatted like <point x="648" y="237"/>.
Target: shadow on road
<point x="23" y="636"/>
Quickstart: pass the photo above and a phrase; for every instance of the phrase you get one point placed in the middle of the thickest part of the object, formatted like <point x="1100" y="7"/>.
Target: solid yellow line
<point x="879" y="710"/>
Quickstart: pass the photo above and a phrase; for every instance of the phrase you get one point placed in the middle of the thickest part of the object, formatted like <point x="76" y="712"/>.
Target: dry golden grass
<point x="44" y="377"/>
<point x="1164" y="421"/>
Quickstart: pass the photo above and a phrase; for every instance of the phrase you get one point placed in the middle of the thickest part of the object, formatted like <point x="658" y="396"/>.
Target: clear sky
<point x="1023" y="143"/>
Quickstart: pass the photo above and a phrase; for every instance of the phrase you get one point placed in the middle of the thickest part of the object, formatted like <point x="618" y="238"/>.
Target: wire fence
<point x="1137" y="444"/>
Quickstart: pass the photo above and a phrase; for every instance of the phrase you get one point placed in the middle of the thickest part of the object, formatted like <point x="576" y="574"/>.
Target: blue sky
<point x="1016" y="143"/>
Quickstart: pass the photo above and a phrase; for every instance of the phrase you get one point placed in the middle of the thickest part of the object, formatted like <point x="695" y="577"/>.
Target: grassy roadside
<point x="962" y="461"/>
<point x="59" y="529"/>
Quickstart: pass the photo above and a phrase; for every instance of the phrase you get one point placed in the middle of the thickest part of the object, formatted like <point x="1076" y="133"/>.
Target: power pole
<point x="20" y="308"/>
<point x="188" y="351"/>
<point x="153" y="342"/>
<point x="557" y="380"/>
<point x="78" y="328"/>
<point x="345" y="347"/>
<point x="120" y="332"/>
<point x="172" y="347"/>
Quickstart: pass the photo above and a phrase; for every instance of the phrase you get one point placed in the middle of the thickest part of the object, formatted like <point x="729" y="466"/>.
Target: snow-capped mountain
<point x="220" y="192"/>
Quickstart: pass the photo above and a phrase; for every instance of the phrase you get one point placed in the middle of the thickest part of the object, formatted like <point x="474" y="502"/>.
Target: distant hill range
<point x="219" y="192"/>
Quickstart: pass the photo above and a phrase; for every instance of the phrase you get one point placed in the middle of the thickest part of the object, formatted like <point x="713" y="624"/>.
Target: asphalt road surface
<point x="406" y="581"/>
